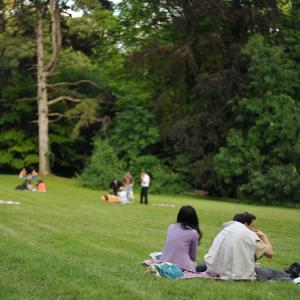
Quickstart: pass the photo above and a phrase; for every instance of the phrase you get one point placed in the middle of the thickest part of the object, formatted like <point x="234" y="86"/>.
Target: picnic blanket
<point x="186" y="274"/>
<point x="163" y="204"/>
<point x="9" y="202"/>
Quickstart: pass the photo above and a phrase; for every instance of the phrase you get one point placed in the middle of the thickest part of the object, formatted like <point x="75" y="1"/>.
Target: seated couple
<point x="233" y="252"/>
<point x="32" y="175"/>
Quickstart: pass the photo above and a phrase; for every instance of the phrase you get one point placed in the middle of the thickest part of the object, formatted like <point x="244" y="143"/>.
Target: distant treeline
<point x="203" y="95"/>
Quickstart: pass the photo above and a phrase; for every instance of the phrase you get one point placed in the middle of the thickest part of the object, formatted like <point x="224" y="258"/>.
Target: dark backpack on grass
<point x="294" y="270"/>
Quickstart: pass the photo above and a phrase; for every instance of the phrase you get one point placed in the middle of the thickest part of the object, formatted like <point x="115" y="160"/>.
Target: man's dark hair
<point x="244" y="218"/>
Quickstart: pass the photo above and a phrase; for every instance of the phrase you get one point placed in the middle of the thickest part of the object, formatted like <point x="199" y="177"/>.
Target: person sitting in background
<point x="120" y="198"/>
<point x="123" y="195"/>
<point x="41" y="186"/>
<point x="114" y="186"/>
<point x="34" y="174"/>
<point x="26" y="185"/>
<point x="23" y="173"/>
<point x="110" y="198"/>
<point x="22" y="186"/>
<point x="30" y="186"/>
<point x="183" y="237"/>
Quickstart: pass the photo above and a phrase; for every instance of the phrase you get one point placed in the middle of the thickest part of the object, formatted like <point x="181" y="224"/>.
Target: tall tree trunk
<point x="45" y="70"/>
<point x="42" y="98"/>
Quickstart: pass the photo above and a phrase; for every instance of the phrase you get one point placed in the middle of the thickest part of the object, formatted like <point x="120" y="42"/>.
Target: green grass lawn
<point x="67" y="244"/>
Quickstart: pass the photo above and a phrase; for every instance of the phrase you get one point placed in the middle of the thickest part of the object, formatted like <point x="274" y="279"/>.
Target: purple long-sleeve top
<point x="181" y="247"/>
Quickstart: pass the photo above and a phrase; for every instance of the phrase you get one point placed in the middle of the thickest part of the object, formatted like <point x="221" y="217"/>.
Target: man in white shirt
<point x="145" y="183"/>
<point x="236" y="248"/>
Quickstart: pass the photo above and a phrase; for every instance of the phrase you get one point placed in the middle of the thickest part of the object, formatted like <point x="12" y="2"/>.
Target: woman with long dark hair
<point x="183" y="237"/>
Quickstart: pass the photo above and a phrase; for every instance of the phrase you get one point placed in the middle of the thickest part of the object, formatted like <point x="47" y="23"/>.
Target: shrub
<point x="278" y="184"/>
<point x="102" y="167"/>
<point x="163" y="180"/>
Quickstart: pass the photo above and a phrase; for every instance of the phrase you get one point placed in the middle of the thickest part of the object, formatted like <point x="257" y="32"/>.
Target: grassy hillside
<point x="67" y="244"/>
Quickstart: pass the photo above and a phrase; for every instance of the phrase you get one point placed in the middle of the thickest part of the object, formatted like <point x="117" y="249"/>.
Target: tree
<point x="44" y="70"/>
<point x="261" y="158"/>
<point x="102" y="167"/>
<point x="70" y="80"/>
<point x="17" y="136"/>
<point x="190" y="51"/>
<point x="35" y="12"/>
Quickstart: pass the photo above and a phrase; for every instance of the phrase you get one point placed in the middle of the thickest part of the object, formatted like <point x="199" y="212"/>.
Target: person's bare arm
<point x="265" y="239"/>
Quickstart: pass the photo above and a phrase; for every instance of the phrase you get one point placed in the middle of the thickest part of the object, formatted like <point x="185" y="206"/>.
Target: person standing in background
<point x="128" y="182"/>
<point x="145" y="183"/>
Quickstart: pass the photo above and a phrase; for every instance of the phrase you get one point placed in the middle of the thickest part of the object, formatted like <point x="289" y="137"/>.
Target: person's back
<point x="232" y="254"/>
<point x="181" y="247"/>
<point x="41" y="187"/>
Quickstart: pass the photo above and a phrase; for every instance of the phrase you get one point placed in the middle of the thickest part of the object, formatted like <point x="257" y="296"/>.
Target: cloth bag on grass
<point x="167" y="270"/>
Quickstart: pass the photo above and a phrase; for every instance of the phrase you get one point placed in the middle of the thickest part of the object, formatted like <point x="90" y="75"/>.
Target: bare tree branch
<point x="33" y="67"/>
<point x="28" y="99"/>
<point x="68" y="15"/>
<point x="61" y="98"/>
<point x="74" y="83"/>
<point x="105" y="122"/>
<point x="58" y="117"/>
<point x="55" y="114"/>
<point x="56" y="39"/>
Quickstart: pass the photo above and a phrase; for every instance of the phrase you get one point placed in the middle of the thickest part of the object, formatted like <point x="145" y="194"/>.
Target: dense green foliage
<point x="18" y="140"/>
<point x="202" y="94"/>
<point x="68" y="244"/>
<point x="102" y="167"/>
<point x="263" y="154"/>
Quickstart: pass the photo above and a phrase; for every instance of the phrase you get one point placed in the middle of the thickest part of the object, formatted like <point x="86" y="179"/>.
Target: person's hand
<point x="260" y="234"/>
<point x="265" y="239"/>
